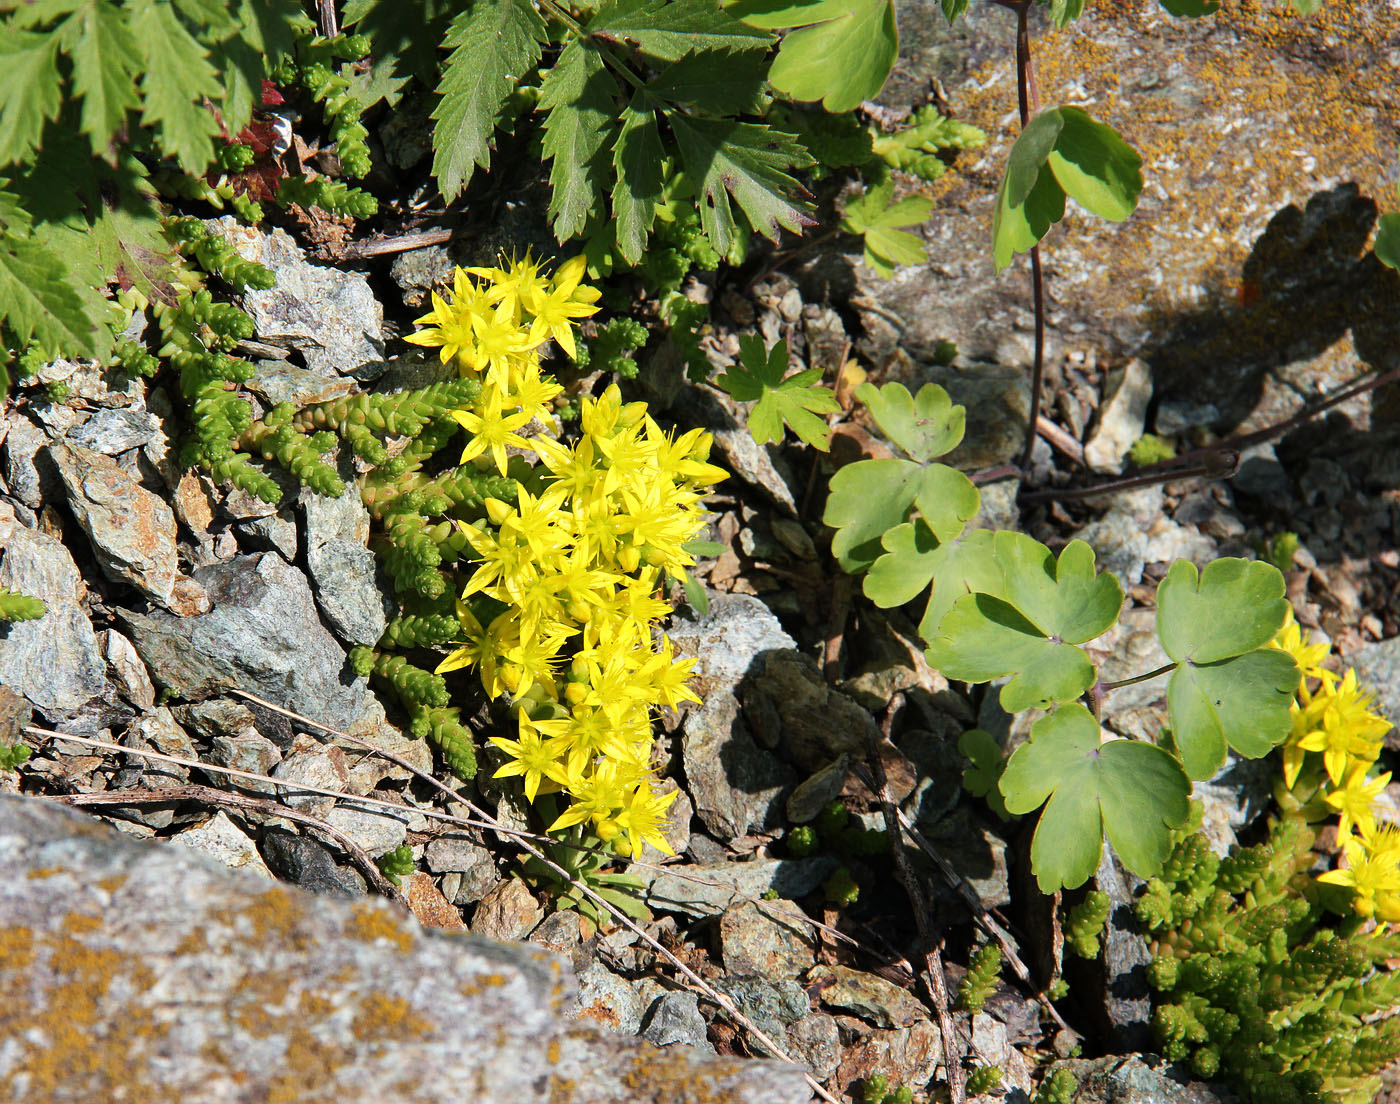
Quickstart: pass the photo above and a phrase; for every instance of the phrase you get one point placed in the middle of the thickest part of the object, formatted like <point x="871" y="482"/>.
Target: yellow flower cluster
<point x="1332" y="718"/>
<point x="576" y="563"/>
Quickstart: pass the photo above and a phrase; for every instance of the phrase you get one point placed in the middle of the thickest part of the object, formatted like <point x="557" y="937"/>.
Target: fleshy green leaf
<point x="1029" y="629"/>
<point x="925" y="427"/>
<point x="1232" y="607"/>
<point x="841" y="53"/>
<point x="667" y="30"/>
<point x="1388" y="240"/>
<point x="176" y="80"/>
<point x="721" y="82"/>
<point x="578" y="97"/>
<point x="877" y="221"/>
<point x="796" y="400"/>
<point x="1095" y="167"/>
<point x="1241" y="703"/>
<point x="494" y="43"/>
<point x="637" y="160"/>
<point x="1135" y="793"/>
<point x="747" y="161"/>
<point x="106" y="63"/>
<point x="1197" y="8"/>
<point x="30" y="90"/>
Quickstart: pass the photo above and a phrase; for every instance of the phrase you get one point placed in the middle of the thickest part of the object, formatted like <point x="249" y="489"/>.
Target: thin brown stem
<point x="1217" y="466"/>
<point x="1164" y="669"/>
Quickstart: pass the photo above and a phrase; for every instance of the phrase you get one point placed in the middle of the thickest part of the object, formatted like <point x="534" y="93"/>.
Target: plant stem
<point x="1107" y="686"/>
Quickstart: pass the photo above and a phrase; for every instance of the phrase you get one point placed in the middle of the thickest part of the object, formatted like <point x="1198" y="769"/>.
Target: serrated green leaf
<point x="637" y="161"/>
<point x="841" y="53"/>
<point x="1387" y="248"/>
<point x="30" y="91"/>
<point x="877" y="221"/>
<point x="1135" y="793"/>
<point x="925" y="427"/>
<point x="129" y="248"/>
<point x="1195" y="8"/>
<point x="494" y="43"/>
<point x="1029" y="629"/>
<point x="748" y="161"/>
<point x="578" y="96"/>
<point x="210" y="16"/>
<point x="1232" y="607"/>
<point x="667" y="30"/>
<point x="721" y="82"/>
<point x="1095" y="167"/>
<point x="1241" y="703"/>
<point x="1017" y="229"/>
<point x="795" y="400"/>
<point x="178" y="77"/>
<point x="39" y="301"/>
<point x="106" y="64"/>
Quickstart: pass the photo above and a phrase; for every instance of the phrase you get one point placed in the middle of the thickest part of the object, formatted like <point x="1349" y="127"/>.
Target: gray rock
<point x="1135" y="1079"/>
<point x="814" y="794"/>
<point x="876" y="1001"/>
<point x="454" y="853"/>
<point x="29" y="484"/>
<point x="273" y="533"/>
<point x="112" y="431"/>
<point x="709" y="890"/>
<point x="328" y="315"/>
<point x="264" y="636"/>
<point x="278" y="382"/>
<point x="756" y="939"/>
<point x="247" y="751"/>
<point x="1136" y="532"/>
<point x="815" y="724"/>
<point x="127" y="672"/>
<point x="608" y="1000"/>
<point x="308" y="864"/>
<point x="203" y="983"/>
<point x="421" y="271"/>
<point x="1122" y="416"/>
<point x="736" y="785"/>
<point x="676" y="1018"/>
<point x="509" y="911"/>
<point x="1378" y="669"/>
<point x="772" y="1004"/>
<point x="132" y="531"/>
<point x="220" y="838"/>
<point x="55" y="661"/>
<point x="375" y="830"/>
<point x="815" y="1041"/>
<point x="1126" y="996"/>
<point x="313" y="763"/>
<point x="342" y="568"/>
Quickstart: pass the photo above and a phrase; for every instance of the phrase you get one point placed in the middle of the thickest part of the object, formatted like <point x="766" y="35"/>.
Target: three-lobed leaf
<point x="797" y="400"/>
<point x="1134" y="793"/>
<point x="915" y="560"/>
<point x="879" y="222"/>
<point x="1028" y="626"/>
<point x="837" y="51"/>
<point x="1229" y="690"/>
<point x="925" y="426"/>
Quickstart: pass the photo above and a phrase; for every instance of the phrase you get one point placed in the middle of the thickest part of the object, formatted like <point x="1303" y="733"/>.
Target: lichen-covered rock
<point x="146" y="972"/>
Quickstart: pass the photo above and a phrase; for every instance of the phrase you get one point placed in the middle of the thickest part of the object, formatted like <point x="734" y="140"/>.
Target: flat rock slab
<point x="144" y="972"/>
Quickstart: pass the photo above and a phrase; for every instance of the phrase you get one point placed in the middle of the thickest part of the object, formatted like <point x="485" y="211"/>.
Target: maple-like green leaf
<point x="1030" y="626"/>
<point x="796" y="400"/>
<point x="39" y="301"/>
<point x="748" y="161"/>
<point x="637" y="160"/>
<point x="878" y="222"/>
<point x="1228" y="690"/>
<point x="837" y="51"/>
<point x="720" y="82"/>
<point x="494" y="43"/>
<point x="667" y="30"/>
<point x="925" y="427"/>
<point x="578" y="96"/>
<point x="1135" y="793"/>
<point x="1387" y="248"/>
<point x="106" y="64"/>
<point x="30" y="90"/>
<point x="177" y="78"/>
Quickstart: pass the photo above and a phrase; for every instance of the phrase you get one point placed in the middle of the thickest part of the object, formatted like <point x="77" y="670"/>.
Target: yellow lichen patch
<point x="369" y="924"/>
<point x="194" y="942"/>
<point x="315" y="1006"/>
<point x="16" y="948"/>
<point x="385" y="1017"/>
<point x="111" y="883"/>
<point x="277" y="917"/>
<point x="42" y="872"/>
<point x="308" y="1071"/>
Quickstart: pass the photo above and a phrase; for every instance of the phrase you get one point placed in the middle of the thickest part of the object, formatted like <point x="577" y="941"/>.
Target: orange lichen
<point x="386" y="1017"/>
<point x="370" y="923"/>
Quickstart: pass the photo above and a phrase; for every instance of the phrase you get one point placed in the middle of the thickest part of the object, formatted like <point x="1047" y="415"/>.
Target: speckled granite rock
<point x="147" y="972"/>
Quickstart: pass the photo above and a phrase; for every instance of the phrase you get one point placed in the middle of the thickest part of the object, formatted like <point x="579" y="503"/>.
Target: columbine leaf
<point x="914" y="558"/>
<point x="1388" y="240"/>
<point x="1136" y="793"/>
<point x="1064" y="12"/>
<point x="924" y="427"/>
<point x="1030" y="627"/>
<point x="953" y="8"/>
<point x="1018" y="228"/>
<point x="1232" y="607"/>
<point x="878" y="221"/>
<point x="842" y="53"/>
<point x="637" y="160"/>
<point x="578" y="96"/>
<point x="30" y="90"/>
<point x="1228" y="689"/>
<point x="981" y="779"/>
<point x="1095" y="167"/>
<point x="796" y="400"/>
<point x="494" y="43"/>
<point x="177" y="78"/>
<point x="667" y="31"/>
<point x="749" y="162"/>
<point x="1240" y="703"/>
<point x="106" y="63"/>
<point x="871" y="497"/>
<point x="721" y="82"/>
<point x="1196" y="8"/>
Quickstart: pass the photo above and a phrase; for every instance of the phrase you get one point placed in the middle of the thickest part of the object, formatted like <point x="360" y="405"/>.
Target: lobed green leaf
<point x="925" y="427"/>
